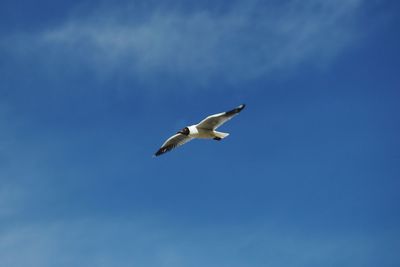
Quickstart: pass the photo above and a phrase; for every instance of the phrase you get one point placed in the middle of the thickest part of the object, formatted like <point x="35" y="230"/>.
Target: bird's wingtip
<point x="235" y="110"/>
<point x="161" y="151"/>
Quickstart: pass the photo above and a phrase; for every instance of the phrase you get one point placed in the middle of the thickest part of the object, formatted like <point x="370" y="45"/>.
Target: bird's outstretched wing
<point x="172" y="142"/>
<point x="214" y="121"/>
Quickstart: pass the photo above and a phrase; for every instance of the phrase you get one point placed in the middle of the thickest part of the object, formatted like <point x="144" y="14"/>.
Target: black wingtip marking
<point x="163" y="150"/>
<point x="236" y="110"/>
<point x="159" y="152"/>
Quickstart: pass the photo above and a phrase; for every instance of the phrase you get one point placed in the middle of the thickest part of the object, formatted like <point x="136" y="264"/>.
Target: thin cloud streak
<point x="140" y="242"/>
<point x="247" y="41"/>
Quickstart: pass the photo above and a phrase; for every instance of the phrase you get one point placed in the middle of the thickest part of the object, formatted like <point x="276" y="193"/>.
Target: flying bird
<point x="205" y="129"/>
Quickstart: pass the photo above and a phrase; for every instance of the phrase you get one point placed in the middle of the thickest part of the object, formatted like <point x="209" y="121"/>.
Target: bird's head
<point x="184" y="131"/>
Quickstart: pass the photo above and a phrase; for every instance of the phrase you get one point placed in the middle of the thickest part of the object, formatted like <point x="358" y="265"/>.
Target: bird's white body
<point x="196" y="132"/>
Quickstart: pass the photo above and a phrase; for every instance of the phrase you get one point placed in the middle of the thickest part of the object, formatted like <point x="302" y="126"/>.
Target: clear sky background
<point x="309" y="176"/>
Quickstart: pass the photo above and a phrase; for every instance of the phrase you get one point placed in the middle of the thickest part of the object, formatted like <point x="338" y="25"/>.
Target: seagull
<point x="204" y="129"/>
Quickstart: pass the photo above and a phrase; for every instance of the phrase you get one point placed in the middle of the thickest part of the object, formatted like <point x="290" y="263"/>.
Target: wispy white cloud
<point x="129" y="242"/>
<point x="245" y="41"/>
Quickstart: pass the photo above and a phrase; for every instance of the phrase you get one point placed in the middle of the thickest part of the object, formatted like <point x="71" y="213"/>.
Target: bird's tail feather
<point x="220" y="134"/>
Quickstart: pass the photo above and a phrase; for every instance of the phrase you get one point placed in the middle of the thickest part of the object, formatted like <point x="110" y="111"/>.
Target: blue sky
<point x="309" y="176"/>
